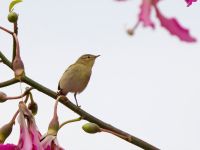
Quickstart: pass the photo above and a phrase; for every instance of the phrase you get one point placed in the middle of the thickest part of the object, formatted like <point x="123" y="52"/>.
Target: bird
<point x="76" y="77"/>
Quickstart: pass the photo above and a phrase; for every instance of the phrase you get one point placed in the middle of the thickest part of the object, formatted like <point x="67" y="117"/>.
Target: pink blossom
<point x="50" y="142"/>
<point x="173" y="26"/>
<point x="170" y="24"/>
<point x="9" y="147"/>
<point x="29" y="134"/>
<point x="189" y="2"/>
<point x="144" y="15"/>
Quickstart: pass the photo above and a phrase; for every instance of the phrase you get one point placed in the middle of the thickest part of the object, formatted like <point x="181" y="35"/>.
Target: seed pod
<point x="130" y="32"/>
<point x="91" y="128"/>
<point x="33" y="107"/>
<point x="3" y="97"/>
<point x="5" y="131"/>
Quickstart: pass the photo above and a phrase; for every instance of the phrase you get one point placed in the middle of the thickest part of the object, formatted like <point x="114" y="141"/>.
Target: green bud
<point x="33" y="107"/>
<point x="91" y="128"/>
<point x="3" y="97"/>
<point x="5" y="131"/>
<point x="12" y="17"/>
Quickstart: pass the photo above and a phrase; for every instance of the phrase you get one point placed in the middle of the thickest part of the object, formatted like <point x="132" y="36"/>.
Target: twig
<point x="9" y="82"/>
<point x="20" y="96"/>
<point x="15" y="26"/>
<point x="6" y="30"/>
<point x="5" y="60"/>
<point x="70" y="121"/>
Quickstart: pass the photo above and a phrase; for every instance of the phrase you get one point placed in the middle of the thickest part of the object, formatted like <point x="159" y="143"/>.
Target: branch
<point x="5" y="60"/>
<point x="15" y="26"/>
<point x="6" y="30"/>
<point x="85" y="115"/>
<point x="9" y="82"/>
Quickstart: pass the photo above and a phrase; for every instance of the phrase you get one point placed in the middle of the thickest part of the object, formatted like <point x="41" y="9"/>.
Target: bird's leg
<point x="76" y="100"/>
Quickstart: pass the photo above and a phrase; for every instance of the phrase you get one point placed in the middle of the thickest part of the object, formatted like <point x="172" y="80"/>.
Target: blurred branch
<point x="85" y="115"/>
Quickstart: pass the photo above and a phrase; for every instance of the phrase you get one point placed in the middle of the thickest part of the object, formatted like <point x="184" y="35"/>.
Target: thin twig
<point x="6" y="30"/>
<point x="70" y="121"/>
<point x="20" y="96"/>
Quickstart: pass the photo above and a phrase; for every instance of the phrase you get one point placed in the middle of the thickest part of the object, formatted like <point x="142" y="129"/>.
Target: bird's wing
<point x="63" y="73"/>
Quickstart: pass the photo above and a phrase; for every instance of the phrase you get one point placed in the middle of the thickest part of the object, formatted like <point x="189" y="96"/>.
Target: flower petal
<point x="50" y="142"/>
<point x="189" y="2"/>
<point x="8" y="147"/>
<point x="145" y="12"/>
<point x="35" y="135"/>
<point x="173" y="26"/>
<point x="29" y="134"/>
<point x="25" y="142"/>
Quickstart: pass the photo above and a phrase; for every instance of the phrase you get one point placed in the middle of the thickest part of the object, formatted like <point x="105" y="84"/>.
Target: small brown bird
<point x="77" y="75"/>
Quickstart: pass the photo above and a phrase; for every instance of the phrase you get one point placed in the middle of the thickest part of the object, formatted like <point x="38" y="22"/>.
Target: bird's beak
<point x="97" y="56"/>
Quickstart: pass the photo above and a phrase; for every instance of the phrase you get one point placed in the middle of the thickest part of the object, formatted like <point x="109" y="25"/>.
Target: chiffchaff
<point x="77" y="75"/>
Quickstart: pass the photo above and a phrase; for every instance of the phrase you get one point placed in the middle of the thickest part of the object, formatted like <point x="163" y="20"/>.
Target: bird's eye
<point x="88" y="56"/>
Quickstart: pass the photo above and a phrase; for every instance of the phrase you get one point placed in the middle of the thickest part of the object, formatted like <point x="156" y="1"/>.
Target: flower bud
<point x="91" y="128"/>
<point x="130" y="32"/>
<point x="18" y="68"/>
<point x="33" y="107"/>
<point x="5" y="131"/>
<point x="12" y="17"/>
<point x="3" y="97"/>
<point x="53" y="126"/>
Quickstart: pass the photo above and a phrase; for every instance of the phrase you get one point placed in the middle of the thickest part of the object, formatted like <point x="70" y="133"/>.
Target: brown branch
<point x="15" y="28"/>
<point x="85" y="115"/>
<point x="6" y="30"/>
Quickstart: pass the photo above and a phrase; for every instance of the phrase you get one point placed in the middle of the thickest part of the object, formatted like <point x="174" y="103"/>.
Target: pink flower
<point x="189" y="2"/>
<point x="49" y="142"/>
<point x="9" y="147"/>
<point x="170" y="24"/>
<point x="29" y="134"/>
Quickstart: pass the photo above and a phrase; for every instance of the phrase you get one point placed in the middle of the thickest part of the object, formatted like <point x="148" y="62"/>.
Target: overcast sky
<point x="147" y="85"/>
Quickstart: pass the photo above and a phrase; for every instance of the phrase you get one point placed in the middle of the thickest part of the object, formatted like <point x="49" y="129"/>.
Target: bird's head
<point x="87" y="59"/>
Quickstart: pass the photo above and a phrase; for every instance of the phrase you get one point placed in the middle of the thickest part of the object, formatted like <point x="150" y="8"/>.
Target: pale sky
<point x="147" y="85"/>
